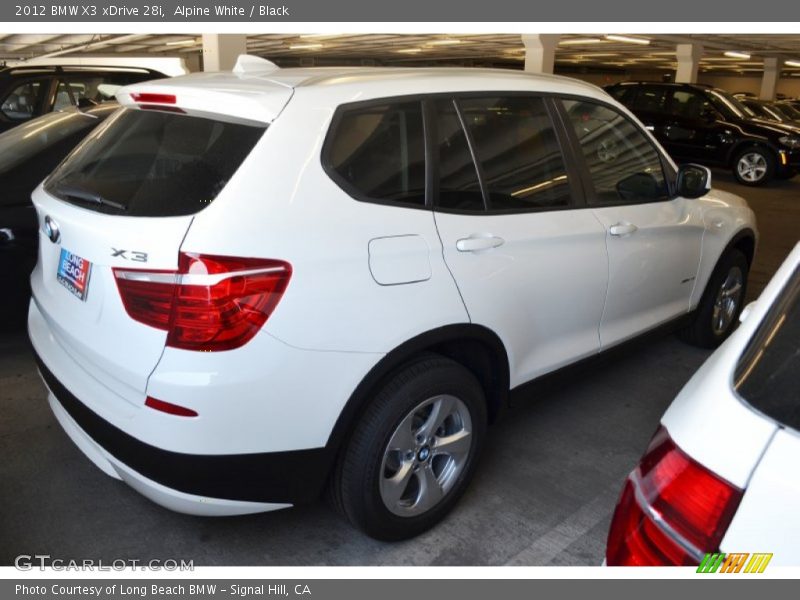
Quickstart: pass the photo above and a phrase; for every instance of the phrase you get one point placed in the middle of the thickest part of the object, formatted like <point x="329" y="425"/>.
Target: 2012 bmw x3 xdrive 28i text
<point x="255" y="284"/>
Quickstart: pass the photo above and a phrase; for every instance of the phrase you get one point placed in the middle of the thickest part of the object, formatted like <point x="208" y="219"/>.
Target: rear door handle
<point x="476" y="243"/>
<point x="620" y="229"/>
<point x="6" y="235"/>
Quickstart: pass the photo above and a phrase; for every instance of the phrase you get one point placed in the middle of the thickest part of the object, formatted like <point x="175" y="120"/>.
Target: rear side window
<point x="623" y="164"/>
<point x="377" y="153"/>
<point x="768" y="374"/>
<point x="22" y="102"/>
<point x="518" y="152"/>
<point x="154" y="164"/>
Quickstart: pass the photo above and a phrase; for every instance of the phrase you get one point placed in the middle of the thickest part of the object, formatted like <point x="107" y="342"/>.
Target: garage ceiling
<point x="586" y="51"/>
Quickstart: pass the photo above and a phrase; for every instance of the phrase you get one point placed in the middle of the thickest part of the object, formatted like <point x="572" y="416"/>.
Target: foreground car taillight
<point x="672" y="510"/>
<point x="211" y="303"/>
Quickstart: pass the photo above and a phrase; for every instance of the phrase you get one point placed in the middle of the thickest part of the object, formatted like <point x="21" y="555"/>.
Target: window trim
<point x="590" y="193"/>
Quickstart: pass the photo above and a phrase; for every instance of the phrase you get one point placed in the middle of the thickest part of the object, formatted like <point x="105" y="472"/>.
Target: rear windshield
<point x="768" y="374"/>
<point x="144" y="163"/>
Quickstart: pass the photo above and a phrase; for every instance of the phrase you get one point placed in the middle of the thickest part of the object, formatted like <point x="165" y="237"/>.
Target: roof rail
<point x="247" y="63"/>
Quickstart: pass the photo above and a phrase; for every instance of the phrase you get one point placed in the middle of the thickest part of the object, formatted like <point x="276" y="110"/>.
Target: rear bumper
<point x="194" y="484"/>
<point x="261" y="440"/>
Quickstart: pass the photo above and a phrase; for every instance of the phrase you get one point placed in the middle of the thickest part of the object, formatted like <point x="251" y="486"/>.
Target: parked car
<point x="33" y="88"/>
<point x="788" y="109"/>
<point x="709" y="126"/>
<point x="720" y="473"/>
<point x="335" y="276"/>
<point x="28" y="154"/>
<point x="772" y="111"/>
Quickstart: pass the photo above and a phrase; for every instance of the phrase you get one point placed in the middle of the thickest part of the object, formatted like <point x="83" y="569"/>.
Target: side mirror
<point x="693" y="181"/>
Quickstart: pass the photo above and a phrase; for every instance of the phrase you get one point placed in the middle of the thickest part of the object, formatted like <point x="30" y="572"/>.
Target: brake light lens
<point x="151" y="98"/>
<point x="672" y="510"/>
<point x="211" y="303"/>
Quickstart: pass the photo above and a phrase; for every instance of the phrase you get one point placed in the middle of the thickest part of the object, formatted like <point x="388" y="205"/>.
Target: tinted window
<point x="623" y="164"/>
<point x="459" y="187"/>
<point x="153" y="163"/>
<point x="650" y="99"/>
<point x="768" y="374"/>
<point x="690" y="104"/>
<point x="518" y="151"/>
<point x="29" y="139"/>
<point x="379" y="152"/>
<point x="21" y="103"/>
<point x="623" y="93"/>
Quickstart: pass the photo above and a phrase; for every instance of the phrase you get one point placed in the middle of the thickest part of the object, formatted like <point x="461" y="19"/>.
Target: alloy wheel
<point x="425" y="456"/>
<point x="752" y="167"/>
<point x="727" y="301"/>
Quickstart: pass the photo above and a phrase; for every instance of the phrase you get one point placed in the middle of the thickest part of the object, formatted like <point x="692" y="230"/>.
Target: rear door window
<point x="651" y="98"/>
<point x="154" y="163"/>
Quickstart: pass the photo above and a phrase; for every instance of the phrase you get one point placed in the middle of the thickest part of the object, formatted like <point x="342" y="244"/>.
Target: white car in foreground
<point x="255" y="284"/>
<point x="720" y="475"/>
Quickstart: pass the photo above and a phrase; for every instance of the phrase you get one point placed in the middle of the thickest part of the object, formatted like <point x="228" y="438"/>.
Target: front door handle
<point x="621" y="229"/>
<point x="6" y="235"/>
<point x="478" y="243"/>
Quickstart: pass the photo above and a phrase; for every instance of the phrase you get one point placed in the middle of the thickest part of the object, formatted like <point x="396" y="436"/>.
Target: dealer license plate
<point x="73" y="273"/>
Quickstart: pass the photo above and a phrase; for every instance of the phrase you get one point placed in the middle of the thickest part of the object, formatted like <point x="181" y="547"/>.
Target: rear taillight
<point x="151" y="98"/>
<point x="211" y="303"/>
<point x="672" y="510"/>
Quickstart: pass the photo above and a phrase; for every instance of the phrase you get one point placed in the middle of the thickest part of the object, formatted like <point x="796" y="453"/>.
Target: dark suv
<point x="706" y="125"/>
<point x="30" y="91"/>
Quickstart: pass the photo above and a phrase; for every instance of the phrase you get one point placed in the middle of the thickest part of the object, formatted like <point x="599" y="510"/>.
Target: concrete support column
<point x="769" y="82"/>
<point x="540" y="52"/>
<point x="689" y="56"/>
<point x="220" y="50"/>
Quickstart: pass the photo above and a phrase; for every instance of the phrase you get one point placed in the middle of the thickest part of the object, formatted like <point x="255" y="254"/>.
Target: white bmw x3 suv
<point x="253" y="285"/>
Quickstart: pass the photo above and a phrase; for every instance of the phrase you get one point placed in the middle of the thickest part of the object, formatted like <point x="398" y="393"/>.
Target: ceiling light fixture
<point x="628" y="40"/>
<point x="732" y="54"/>
<point x="305" y="46"/>
<point x="579" y="41"/>
<point x="409" y="51"/>
<point x="447" y="42"/>
<point x="792" y="63"/>
<point x="182" y="43"/>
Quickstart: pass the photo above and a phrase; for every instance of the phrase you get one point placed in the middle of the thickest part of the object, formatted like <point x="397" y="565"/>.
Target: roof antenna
<point x="248" y="64"/>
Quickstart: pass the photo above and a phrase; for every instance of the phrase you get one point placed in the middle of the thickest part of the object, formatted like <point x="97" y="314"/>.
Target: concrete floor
<point x="543" y="495"/>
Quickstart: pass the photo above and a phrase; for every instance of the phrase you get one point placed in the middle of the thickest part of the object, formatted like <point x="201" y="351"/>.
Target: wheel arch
<point x="475" y="347"/>
<point x="751" y="143"/>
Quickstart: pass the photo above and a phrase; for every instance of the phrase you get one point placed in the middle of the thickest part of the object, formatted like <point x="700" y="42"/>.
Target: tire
<point x="381" y="480"/>
<point x="754" y="166"/>
<point x="718" y="312"/>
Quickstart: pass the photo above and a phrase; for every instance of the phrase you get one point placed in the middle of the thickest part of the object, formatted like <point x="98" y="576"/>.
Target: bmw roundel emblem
<point x="51" y="230"/>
